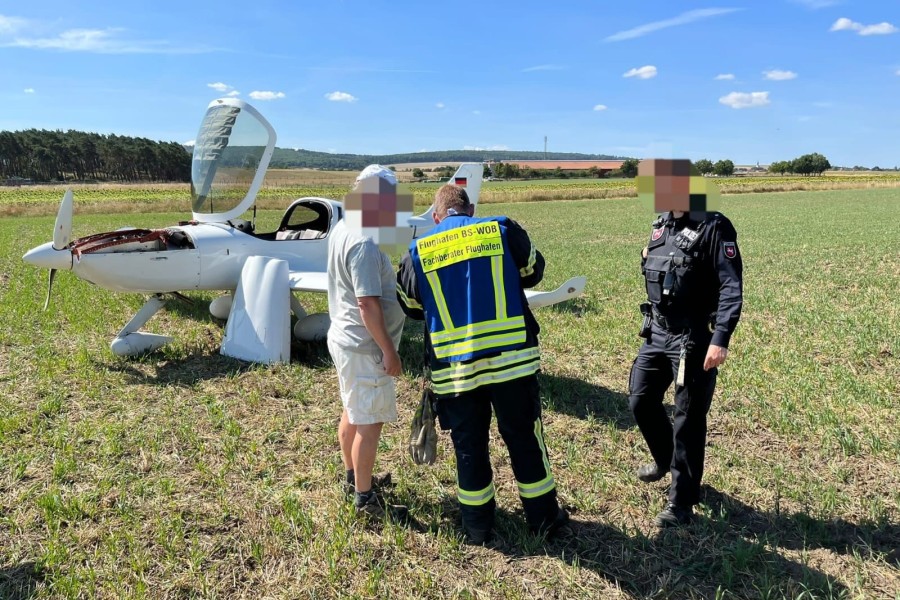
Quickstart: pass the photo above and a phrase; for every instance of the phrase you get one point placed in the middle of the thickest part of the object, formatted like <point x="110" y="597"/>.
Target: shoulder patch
<point x="730" y="249"/>
<point x="657" y="233"/>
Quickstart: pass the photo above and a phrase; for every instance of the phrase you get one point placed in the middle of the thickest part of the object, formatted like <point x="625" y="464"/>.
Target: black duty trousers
<point x="517" y="405"/>
<point x="681" y="447"/>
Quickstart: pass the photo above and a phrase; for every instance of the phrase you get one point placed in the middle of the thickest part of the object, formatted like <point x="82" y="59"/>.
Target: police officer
<point x="466" y="279"/>
<point x="693" y="272"/>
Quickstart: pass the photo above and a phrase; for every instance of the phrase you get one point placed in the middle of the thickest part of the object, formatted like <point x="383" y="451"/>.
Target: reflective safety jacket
<point x="466" y="279"/>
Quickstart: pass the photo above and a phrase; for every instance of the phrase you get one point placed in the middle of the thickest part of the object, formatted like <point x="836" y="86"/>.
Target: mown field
<point x="185" y="474"/>
<point x="283" y="185"/>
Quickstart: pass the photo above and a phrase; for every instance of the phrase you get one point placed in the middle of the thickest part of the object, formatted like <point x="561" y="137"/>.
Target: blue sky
<point x="759" y="81"/>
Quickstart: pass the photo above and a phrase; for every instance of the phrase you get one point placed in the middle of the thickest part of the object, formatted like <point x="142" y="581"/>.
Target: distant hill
<point x="286" y="158"/>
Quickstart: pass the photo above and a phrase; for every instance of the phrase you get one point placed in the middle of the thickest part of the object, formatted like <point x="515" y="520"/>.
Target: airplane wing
<point x="308" y="281"/>
<point x="570" y="289"/>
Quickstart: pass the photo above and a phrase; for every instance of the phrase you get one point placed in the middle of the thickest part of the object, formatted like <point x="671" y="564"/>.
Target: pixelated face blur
<point x="377" y="209"/>
<point x="675" y="185"/>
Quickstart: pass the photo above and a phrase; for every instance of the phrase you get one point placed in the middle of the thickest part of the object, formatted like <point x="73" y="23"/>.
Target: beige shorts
<point x="367" y="392"/>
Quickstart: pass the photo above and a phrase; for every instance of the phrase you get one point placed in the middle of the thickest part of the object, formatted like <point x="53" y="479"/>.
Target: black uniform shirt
<point x="704" y="258"/>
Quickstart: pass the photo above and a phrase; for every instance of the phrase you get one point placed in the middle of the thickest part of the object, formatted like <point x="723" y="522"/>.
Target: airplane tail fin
<point x="469" y="176"/>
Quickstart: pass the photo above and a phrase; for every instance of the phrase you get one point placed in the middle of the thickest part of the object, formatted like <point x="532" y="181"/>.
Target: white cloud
<point x="682" y="19"/>
<point x="745" y="100"/>
<point x="495" y="147"/>
<point x="233" y="93"/>
<point x="219" y="86"/>
<point x="845" y="24"/>
<point x="724" y="77"/>
<point x="28" y="90"/>
<point x="439" y="105"/>
<point x="341" y="97"/>
<point x="599" y="107"/>
<point x="189" y="143"/>
<point x="544" y="68"/>
<point x="645" y="72"/>
<point x="110" y="40"/>
<point x="779" y="75"/>
<point x="11" y="24"/>
<point x="256" y="95"/>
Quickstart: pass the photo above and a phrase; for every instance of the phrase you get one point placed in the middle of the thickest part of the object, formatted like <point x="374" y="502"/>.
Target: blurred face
<point x="675" y="185"/>
<point x="376" y="209"/>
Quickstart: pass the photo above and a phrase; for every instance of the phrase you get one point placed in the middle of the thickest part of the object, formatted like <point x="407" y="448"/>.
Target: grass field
<point x="281" y="186"/>
<point x="185" y="474"/>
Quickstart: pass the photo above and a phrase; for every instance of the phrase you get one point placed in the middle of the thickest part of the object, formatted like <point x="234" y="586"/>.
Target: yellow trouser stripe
<point x="547" y="484"/>
<point x="478" y="498"/>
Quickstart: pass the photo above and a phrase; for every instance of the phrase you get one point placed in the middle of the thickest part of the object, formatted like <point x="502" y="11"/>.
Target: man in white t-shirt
<point x="365" y="331"/>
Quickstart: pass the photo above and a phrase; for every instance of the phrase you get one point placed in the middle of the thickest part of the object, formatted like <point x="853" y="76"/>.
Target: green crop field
<point x="185" y="474"/>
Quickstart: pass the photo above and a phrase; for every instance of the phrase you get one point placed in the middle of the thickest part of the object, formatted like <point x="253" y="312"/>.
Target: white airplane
<point x="217" y="250"/>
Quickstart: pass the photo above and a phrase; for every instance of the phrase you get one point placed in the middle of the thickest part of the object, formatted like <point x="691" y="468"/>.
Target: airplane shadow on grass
<point x="712" y="554"/>
<point x="19" y="582"/>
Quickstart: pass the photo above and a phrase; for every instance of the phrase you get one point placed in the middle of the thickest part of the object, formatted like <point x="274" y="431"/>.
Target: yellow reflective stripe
<point x="439" y="300"/>
<point x="407" y="301"/>
<point x="499" y="287"/>
<point x="466" y="331"/>
<point x="458" y="386"/>
<point x="533" y="490"/>
<point x="482" y="343"/>
<point x="539" y="488"/>
<point x="460" y="369"/>
<point x="532" y="259"/>
<point x="478" y="498"/>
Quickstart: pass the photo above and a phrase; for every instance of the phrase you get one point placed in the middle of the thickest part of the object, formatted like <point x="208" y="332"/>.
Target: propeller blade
<point x="49" y="288"/>
<point x="62" y="231"/>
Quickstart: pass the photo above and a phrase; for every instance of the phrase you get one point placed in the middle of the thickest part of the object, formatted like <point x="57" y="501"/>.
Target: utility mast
<point x="545" y="147"/>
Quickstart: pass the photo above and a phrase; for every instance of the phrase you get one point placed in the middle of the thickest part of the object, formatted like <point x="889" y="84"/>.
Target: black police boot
<point x="674" y="516"/>
<point x="651" y="472"/>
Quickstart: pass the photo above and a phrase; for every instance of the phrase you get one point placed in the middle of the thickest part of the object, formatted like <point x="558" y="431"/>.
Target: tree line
<point x="808" y="164"/>
<point x="42" y="155"/>
<point x="286" y="158"/>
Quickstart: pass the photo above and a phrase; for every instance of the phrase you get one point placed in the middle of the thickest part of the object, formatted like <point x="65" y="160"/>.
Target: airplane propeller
<point x="62" y="234"/>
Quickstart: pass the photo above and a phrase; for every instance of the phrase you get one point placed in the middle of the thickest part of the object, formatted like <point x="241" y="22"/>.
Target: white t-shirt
<point x="357" y="268"/>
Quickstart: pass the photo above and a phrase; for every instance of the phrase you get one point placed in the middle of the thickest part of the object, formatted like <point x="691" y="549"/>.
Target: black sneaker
<point x="674" y="516"/>
<point x="651" y="472"/>
<point x="372" y="507"/>
<point x="380" y="482"/>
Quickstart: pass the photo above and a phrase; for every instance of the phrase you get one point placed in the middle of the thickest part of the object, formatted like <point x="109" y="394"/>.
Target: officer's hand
<point x="392" y="364"/>
<point x="715" y="356"/>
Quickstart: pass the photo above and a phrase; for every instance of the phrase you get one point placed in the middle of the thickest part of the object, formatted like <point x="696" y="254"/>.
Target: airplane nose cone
<point x="48" y="257"/>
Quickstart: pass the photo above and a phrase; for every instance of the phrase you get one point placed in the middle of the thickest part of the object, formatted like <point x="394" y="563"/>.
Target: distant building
<point x="567" y="165"/>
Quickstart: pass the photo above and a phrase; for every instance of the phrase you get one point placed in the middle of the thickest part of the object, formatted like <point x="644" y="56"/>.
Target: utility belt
<point x="675" y="324"/>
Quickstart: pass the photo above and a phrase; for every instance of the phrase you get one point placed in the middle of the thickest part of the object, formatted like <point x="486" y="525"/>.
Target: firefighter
<point x="466" y="279"/>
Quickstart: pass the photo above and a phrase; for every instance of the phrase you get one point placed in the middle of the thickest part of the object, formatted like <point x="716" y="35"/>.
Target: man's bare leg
<point x="365" y="445"/>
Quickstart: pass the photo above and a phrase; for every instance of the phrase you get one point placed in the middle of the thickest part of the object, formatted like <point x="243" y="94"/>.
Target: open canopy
<point x="231" y="153"/>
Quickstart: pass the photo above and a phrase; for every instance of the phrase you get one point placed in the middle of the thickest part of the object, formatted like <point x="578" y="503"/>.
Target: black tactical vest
<point x="673" y="269"/>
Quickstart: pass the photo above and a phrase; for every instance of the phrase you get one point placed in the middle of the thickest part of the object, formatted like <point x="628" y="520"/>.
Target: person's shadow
<point x="582" y="400"/>
<point x="19" y="582"/>
<point x="711" y="556"/>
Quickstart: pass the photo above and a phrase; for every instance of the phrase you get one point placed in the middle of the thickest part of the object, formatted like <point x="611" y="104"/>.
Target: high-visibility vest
<point x="470" y="288"/>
